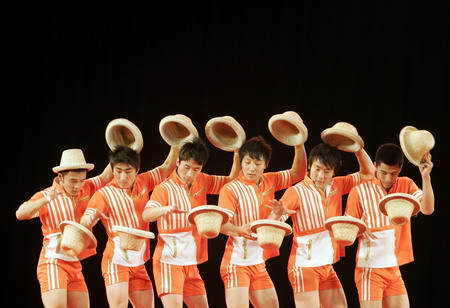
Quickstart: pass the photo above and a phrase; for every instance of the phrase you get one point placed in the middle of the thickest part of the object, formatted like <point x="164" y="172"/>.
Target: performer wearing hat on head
<point x="243" y="267"/>
<point x="180" y="247"/>
<point x="120" y="203"/>
<point x="60" y="275"/>
<point x="310" y="203"/>
<point x="385" y="247"/>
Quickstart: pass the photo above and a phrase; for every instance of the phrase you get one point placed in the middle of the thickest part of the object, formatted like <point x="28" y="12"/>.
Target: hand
<point x="426" y="166"/>
<point x="52" y="194"/>
<point x="278" y="209"/>
<point x="174" y="209"/>
<point x="245" y="232"/>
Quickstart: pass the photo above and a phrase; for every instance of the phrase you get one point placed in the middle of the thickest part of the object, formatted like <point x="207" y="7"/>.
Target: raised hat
<point x="225" y="133"/>
<point x="399" y="207"/>
<point x="208" y="219"/>
<point x="343" y="136"/>
<point x="345" y="229"/>
<point x="123" y="132"/>
<point x="288" y="128"/>
<point x="132" y="239"/>
<point x="177" y="129"/>
<point x="75" y="238"/>
<point x="270" y="232"/>
<point x="415" y="143"/>
<point x="72" y="159"/>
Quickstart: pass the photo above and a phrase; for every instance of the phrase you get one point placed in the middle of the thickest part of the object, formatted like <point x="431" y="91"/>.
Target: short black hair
<point x="389" y="154"/>
<point x="126" y="155"/>
<point x="329" y="156"/>
<point x="195" y="149"/>
<point x="256" y="148"/>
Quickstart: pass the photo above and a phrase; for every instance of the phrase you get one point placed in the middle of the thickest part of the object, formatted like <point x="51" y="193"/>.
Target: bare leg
<point x="307" y="299"/>
<point x="117" y="295"/>
<point x="196" y="301"/>
<point x="266" y="298"/>
<point x="396" y="301"/>
<point x="237" y="297"/>
<point x="77" y="299"/>
<point x="142" y="299"/>
<point x="333" y="298"/>
<point x="55" y="298"/>
<point x="172" y="300"/>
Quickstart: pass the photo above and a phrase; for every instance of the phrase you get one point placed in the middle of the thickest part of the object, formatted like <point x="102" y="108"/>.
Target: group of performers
<point x="126" y="200"/>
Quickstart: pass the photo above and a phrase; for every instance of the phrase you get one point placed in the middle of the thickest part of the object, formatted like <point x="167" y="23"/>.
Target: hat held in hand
<point x="75" y="238"/>
<point x="177" y="129"/>
<point x="399" y="207"/>
<point x="343" y="136"/>
<point x="225" y="133"/>
<point x="123" y="132"/>
<point x="270" y="232"/>
<point x="415" y="144"/>
<point x="345" y="229"/>
<point x="72" y="159"/>
<point x="208" y="219"/>
<point x="288" y="128"/>
<point x="132" y="239"/>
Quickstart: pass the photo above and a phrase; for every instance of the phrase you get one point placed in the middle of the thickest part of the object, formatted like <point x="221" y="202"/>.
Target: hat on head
<point x="208" y="219"/>
<point x="225" y="133"/>
<point x="415" y="143"/>
<point x="288" y="128"/>
<point x="76" y="238"/>
<point x="123" y="132"/>
<point x="270" y="232"/>
<point x="399" y="207"/>
<point x="132" y="239"/>
<point x="345" y="229"/>
<point x="343" y="136"/>
<point x="72" y="159"/>
<point x="177" y="129"/>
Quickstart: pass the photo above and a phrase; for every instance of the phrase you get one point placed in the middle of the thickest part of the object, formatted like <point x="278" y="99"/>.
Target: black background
<point x="69" y="69"/>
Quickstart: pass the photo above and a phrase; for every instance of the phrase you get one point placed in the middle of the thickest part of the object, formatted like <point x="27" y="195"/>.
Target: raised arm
<point x="170" y="163"/>
<point x="299" y="165"/>
<point x="236" y="167"/>
<point x="366" y="167"/>
<point x="427" y="204"/>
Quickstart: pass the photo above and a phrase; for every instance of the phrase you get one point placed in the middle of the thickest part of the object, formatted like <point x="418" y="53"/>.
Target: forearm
<point x="236" y="167"/>
<point x="299" y="165"/>
<point x="27" y="209"/>
<point x="229" y="229"/>
<point x="170" y="163"/>
<point x="427" y="204"/>
<point x="153" y="214"/>
<point x="107" y="174"/>
<point x="366" y="167"/>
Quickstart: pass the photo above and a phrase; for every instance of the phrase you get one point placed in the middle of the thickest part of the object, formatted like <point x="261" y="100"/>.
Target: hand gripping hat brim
<point x="123" y="132"/>
<point x="415" y="144"/>
<point x="225" y="133"/>
<point x="343" y="136"/>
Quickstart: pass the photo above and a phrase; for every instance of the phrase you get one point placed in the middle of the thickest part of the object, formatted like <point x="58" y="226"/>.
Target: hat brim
<point x="272" y="223"/>
<point x="176" y="130"/>
<point x="225" y="133"/>
<point x="346" y="219"/>
<point x="288" y="130"/>
<point x="343" y="140"/>
<point x="404" y="196"/>
<point x="123" y="132"/>
<point x="207" y="208"/>
<point x="132" y="231"/>
<point x="93" y="240"/>
<point x="404" y="147"/>
<point x="88" y="167"/>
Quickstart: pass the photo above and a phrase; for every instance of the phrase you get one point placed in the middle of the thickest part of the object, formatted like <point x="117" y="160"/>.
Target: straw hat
<point x="123" y="132"/>
<point x="72" y="159"/>
<point x="288" y="128"/>
<point x="345" y="229"/>
<point x="225" y="133"/>
<point x="132" y="239"/>
<point x="208" y="219"/>
<point x="177" y="129"/>
<point x="415" y="143"/>
<point x="399" y="207"/>
<point x="343" y="136"/>
<point x="76" y="238"/>
<point x="270" y="232"/>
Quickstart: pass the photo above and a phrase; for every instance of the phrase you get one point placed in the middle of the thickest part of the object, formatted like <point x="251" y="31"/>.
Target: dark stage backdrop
<point x="69" y="69"/>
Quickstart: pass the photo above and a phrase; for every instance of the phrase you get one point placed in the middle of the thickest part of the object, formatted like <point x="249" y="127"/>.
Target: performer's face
<point x="73" y="182"/>
<point x="387" y="174"/>
<point x="320" y="174"/>
<point x="252" y="168"/>
<point x="188" y="170"/>
<point x="125" y="175"/>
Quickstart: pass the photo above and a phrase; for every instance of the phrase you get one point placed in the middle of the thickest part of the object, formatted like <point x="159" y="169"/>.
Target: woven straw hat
<point x="399" y="207"/>
<point x="343" y="136"/>
<point x="123" y="132"/>
<point x="177" y="129"/>
<point x="72" y="159"/>
<point x="345" y="229"/>
<point x="76" y="238"/>
<point x="288" y="128"/>
<point x="132" y="239"/>
<point x="225" y="133"/>
<point x="208" y="219"/>
<point x="415" y="143"/>
<point x="270" y="232"/>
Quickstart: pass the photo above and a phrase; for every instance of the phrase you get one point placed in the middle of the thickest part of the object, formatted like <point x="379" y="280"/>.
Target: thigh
<point x="234" y="276"/>
<point x="396" y="301"/>
<point x="139" y="280"/>
<point x="308" y="299"/>
<point x="264" y="298"/>
<point x="193" y="284"/>
<point x="260" y="278"/>
<point x="169" y="279"/>
<point x="304" y="279"/>
<point x="77" y="299"/>
<point x="197" y="301"/>
<point x="332" y="298"/>
<point x="142" y="298"/>
<point x="54" y="298"/>
<point x="117" y="294"/>
<point x="237" y="297"/>
<point x="370" y="283"/>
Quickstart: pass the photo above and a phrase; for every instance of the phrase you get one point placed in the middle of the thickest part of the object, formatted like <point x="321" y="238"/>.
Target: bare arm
<point x="107" y="173"/>
<point x="153" y="214"/>
<point x="236" y="167"/>
<point x="299" y="166"/>
<point x="27" y="209"/>
<point x="170" y="163"/>
<point x="366" y="167"/>
<point x="427" y="204"/>
<point x="232" y="230"/>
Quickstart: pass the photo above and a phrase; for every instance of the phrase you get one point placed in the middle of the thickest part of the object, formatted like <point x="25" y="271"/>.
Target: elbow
<point x="20" y="216"/>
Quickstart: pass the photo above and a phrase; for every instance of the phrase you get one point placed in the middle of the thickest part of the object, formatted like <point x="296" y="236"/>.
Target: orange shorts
<point x="255" y="277"/>
<point x="374" y="284"/>
<point x="305" y="279"/>
<point x="177" y="279"/>
<point x="59" y="274"/>
<point x="137" y="277"/>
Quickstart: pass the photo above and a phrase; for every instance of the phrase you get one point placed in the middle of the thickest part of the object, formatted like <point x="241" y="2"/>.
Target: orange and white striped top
<point x="245" y="202"/>
<point x="394" y="245"/>
<point x="124" y="207"/>
<point x="174" y="230"/>
<point x="64" y="207"/>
